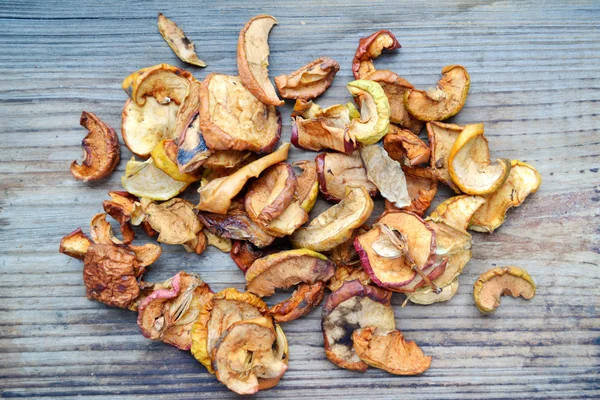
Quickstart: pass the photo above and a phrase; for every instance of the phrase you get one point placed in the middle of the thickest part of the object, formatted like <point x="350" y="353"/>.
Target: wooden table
<point x="535" y="77"/>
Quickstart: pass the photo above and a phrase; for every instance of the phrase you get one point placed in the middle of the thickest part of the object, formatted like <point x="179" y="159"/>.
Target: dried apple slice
<point x="221" y="243"/>
<point x="168" y="314"/>
<point x="457" y="211"/>
<point x="347" y="273"/>
<point x="421" y="192"/>
<point x="315" y="128"/>
<point x="405" y="147"/>
<point x="146" y="254"/>
<point x="335" y="225"/>
<point x="164" y="156"/>
<point x="218" y="314"/>
<point x="75" y="244"/>
<point x="178" y="41"/>
<point x="389" y="351"/>
<point x="386" y="174"/>
<point x="353" y="306"/>
<point x="126" y="210"/>
<point x="369" y="48"/>
<point x="292" y="218"/>
<point x="443" y="102"/>
<point x="101" y="231"/>
<point x="144" y="179"/>
<point x="253" y="59"/>
<point x="164" y="82"/>
<point x="470" y="166"/>
<point x="427" y="296"/>
<point x="101" y="151"/>
<point x="229" y="160"/>
<point x="522" y="180"/>
<point x="498" y="282"/>
<point x="394" y="88"/>
<point x="216" y="196"/>
<point x="245" y="253"/>
<point x="308" y="184"/>
<point x="310" y="81"/>
<point x="374" y="120"/>
<point x="336" y="172"/>
<point x="441" y="139"/>
<point x="246" y="358"/>
<point x="345" y="253"/>
<point x="268" y="196"/>
<point x="231" y="118"/>
<point x="175" y="221"/>
<point x="236" y="225"/>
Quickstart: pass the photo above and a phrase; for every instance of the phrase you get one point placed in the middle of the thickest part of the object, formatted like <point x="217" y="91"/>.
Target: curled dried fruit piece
<point x="337" y="172"/>
<point x="218" y="314"/>
<point x="164" y="156"/>
<point x="292" y="218"/>
<point x="216" y="196"/>
<point x="522" y="180"/>
<point x="346" y="273"/>
<point x="247" y="359"/>
<point x="144" y="179"/>
<point x="315" y="128"/>
<point x="221" y="243"/>
<point x="374" y="120"/>
<point x="101" y="231"/>
<point x="389" y="352"/>
<point x="126" y="210"/>
<point x="270" y="194"/>
<point x="168" y="314"/>
<point x="421" y="192"/>
<point x="237" y="225"/>
<point x="386" y="174"/>
<point x="498" y="282"/>
<point x="351" y="307"/>
<point x="178" y="41"/>
<point x="175" y="221"/>
<point x="470" y="166"/>
<point x="443" y="102"/>
<point x="288" y="268"/>
<point x="231" y="118"/>
<point x="164" y="82"/>
<point x="245" y="253"/>
<point x="101" y="151"/>
<point x="335" y="225"/>
<point x="457" y="211"/>
<point x="441" y="139"/>
<point x="369" y="48"/>
<point x="310" y="81"/>
<point x="75" y="244"/>
<point x="308" y="184"/>
<point x="427" y="296"/>
<point x="253" y="59"/>
<point x="228" y="160"/>
<point x="146" y="254"/>
<point x="109" y="275"/>
<point x="405" y="147"/>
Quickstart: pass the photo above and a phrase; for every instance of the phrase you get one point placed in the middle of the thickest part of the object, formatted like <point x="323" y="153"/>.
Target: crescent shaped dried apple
<point x="164" y="156"/>
<point x="351" y="307"/>
<point x="523" y="180"/>
<point x="369" y="48"/>
<point x="126" y="210"/>
<point x="498" y="282"/>
<point x="231" y="118"/>
<point x="441" y="139"/>
<point x="164" y="82"/>
<point x="216" y="196"/>
<point x="470" y="166"/>
<point x="389" y="351"/>
<point x="285" y="269"/>
<point x="374" y="120"/>
<point x="253" y="59"/>
<point x="457" y="211"/>
<point x="386" y="174"/>
<point x="270" y="194"/>
<point x="178" y="41"/>
<point x="75" y="244"/>
<point x="405" y="147"/>
<point x="217" y="315"/>
<point x="336" y="172"/>
<point x="443" y="102"/>
<point x="247" y="357"/>
<point x="335" y="225"/>
<point x="292" y="218"/>
<point x="101" y="151"/>
<point x="145" y="179"/>
<point x="308" y="184"/>
<point x="308" y="82"/>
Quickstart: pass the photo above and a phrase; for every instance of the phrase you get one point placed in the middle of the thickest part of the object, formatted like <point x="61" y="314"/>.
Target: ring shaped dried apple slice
<point x="270" y="194"/>
<point x="231" y="118"/>
<point x="101" y="151"/>
<point x="165" y="159"/>
<point x="253" y="59"/>
<point x="336" y="172"/>
<point x="75" y="244"/>
<point x="310" y="81"/>
<point x="522" y="180"/>
<point x="457" y="211"/>
<point x="216" y="196"/>
<point x="498" y="282"/>
<point x="389" y="352"/>
<point x="164" y="82"/>
<point x="245" y="357"/>
<point x="405" y="147"/>
<point x="335" y="225"/>
<point x="218" y="314"/>
<point x="441" y="139"/>
<point x="144" y="179"/>
<point x="288" y="268"/>
<point x="351" y="307"/>
<point x="443" y="102"/>
<point x="470" y="166"/>
<point x="178" y="41"/>
<point x="308" y="184"/>
<point x="374" y="120"/>
<point x="369" y="48"/>
<point x="386" y="174"/>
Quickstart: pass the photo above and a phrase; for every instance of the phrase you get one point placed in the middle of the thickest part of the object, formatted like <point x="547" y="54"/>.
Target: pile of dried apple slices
<point x="222" y="135"/>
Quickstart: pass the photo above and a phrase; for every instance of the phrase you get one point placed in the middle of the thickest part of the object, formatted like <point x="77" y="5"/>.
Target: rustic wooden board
<point x="535" y="83"/>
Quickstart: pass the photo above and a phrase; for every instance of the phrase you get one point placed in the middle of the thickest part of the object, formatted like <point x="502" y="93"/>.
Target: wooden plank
<point x="535" y="83"/>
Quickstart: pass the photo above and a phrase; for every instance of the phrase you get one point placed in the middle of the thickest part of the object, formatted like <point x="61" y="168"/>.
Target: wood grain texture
<point x="535" y="77"/>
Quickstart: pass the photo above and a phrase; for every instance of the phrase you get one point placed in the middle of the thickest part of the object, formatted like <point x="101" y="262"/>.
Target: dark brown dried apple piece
<point x="405" y="147"/>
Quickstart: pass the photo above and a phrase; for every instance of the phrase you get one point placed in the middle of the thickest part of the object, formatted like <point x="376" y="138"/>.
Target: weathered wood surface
<point x="535" y="83"/>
